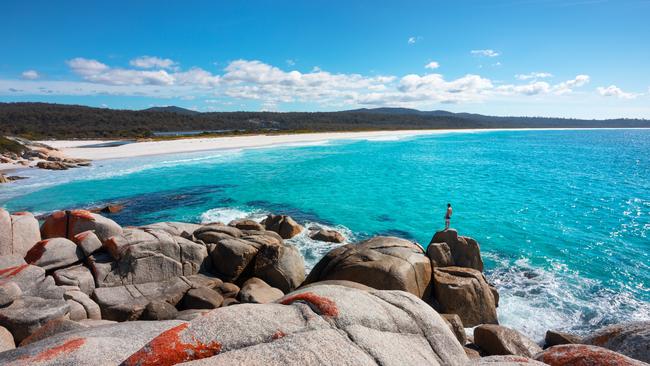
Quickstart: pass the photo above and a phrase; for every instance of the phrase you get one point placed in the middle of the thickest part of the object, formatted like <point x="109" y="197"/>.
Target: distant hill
<point x="45" y="120"/>
<point x="172" y="109"/>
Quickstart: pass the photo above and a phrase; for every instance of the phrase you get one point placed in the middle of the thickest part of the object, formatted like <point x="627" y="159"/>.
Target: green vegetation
<point x="8" y="145"/>
<point x="45" y="121"/>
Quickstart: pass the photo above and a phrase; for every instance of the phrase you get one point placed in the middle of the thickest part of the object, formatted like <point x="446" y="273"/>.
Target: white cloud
<point x="533" y="75"/>
<point x="271" y="85"/>
<point x="291" y="62"/>
<point x="485" y="53"/>
<point x="412" y="40"/>
<point x="432" y="65"/>
<point x="614" y="91"/>
<point x="150" y="62"/>
<point x="568" y="86"/>
<point x="30" y="75"/>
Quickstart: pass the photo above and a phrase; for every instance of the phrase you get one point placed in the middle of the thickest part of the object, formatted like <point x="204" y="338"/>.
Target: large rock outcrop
<point x="630" y="339"/>
<point x="102" y="345"/>
<point x="383" y="263"/>
<point x="332" y="325"/>
<point x="283" y="225"/>
<point x="67" y="224"/>
<point x="18" y="233"/>
<point x="581" y="354"/>
<point x="464" y="291"/>
<point x="465" y="251"/>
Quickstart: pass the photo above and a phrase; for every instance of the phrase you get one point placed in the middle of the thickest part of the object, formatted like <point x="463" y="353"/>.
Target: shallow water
<point x="562" y="217"/>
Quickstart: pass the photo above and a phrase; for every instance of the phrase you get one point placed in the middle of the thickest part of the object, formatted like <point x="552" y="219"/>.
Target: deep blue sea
<point x="562" y="217"/>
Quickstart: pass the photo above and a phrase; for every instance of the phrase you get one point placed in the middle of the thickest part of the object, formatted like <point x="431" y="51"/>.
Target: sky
<point x="561" y="58"/>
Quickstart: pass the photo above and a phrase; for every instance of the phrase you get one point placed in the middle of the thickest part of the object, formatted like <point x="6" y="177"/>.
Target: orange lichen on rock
<point x="583" y="355"/>
<point x="12" y="271"/>
<point x="82" y="236"/>
<point x="22" y="213"/>
<point x="36" y="252"/>
<point x="82" y="214"/>
<point x="277" y="335"/>
<point x="324" y="305"/>
<point x="168" y="349"/>
<point x="67" y="347"/>
<point x="55" y="226"/>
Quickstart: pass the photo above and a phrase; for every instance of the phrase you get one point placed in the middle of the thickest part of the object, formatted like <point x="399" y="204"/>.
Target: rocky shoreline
<point x="24" y="153"/>
<point x="78" y="289"/>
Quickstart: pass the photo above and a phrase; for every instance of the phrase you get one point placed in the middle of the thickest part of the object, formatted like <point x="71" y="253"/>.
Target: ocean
<point x="562" y="217"/>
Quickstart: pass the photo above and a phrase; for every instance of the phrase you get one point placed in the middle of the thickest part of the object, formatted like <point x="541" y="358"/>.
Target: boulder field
<point x="79" y="289"/>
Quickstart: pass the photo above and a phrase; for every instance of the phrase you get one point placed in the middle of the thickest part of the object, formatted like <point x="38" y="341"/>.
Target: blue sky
<point x="569" y="58"/>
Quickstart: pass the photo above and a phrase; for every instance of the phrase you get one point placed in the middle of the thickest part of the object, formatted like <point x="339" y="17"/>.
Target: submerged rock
<point x="383" y="263"/>
<point x="330" y="236"/>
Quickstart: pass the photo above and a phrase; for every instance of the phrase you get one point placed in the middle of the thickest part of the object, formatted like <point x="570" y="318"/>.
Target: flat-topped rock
<point x="383" y="263"/>
<point x="331" y="325"/>
<point x="54" y="253"/>
<point x="26" y="314"/>
<point x="100" y="345"/>
<point x="259" y="292"/>
<point x="67" y="224"/>
<point x="465" y="251"/>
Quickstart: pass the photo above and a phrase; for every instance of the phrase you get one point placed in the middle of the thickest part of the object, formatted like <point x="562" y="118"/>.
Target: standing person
<point x="448" y="216"/>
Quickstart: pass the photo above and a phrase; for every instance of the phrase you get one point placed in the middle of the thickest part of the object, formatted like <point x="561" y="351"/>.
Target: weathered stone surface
<point x="440" y="255"/>
<point x="232" y="257"/>
<point x="54" y="326"/>
<point x="88" y="242"/>
<point x="191" y="314"/>
<point x="159" y="310"/>
<point x="67" y="224"/>
<point x="329" y="236"/>
<point x="464" y="291"/>
<point x="90" y="307"/>
<point x="6" y="340"/>
<point x="326" y="325"/>
<point x="456" y="325"/>
<point x="555" y="338"/>
<point x="228" y="290"/>
<point x="76" y="311"/>
<point x="580" y="354"/>
<point x="54" y="253"/>
<point x="230" y="301"/>
<point x="630" y="339"/>
<point x="128" y="302"/>
<point x="213" y="233"/>
<point x="203" y="280"/>
<point x="31" y="279"/>
<point x="499" y="340"/>
<point x="257" y="291"/>
<point x="92" y="346"/>
<point x="283" y="225"/>
<point x="202" y="298"/>
<point x="246" y="224"/>
<point x="383" y="263"/>
<point x="182" y="229"/>
<point x="9" y="291"/>
<point x="507" y="361"/>
<point x="465" y="251"/>
<point x="281" y="266"/>
<point x="78" y="275"/>
<point x="18" y="233"/>
<point x="147" y="256"/>
<point x="27" y="314"/>
<point x="351" y="284"/>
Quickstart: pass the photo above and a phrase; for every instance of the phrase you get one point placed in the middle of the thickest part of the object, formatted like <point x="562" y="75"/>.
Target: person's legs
<point x="446" y="223"/>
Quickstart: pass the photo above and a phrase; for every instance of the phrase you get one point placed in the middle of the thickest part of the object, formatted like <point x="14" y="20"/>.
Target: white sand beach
<point x="83" y="148"/>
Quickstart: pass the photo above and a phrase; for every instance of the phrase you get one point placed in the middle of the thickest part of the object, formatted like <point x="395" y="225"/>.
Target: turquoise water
<point x="563" y="217"/>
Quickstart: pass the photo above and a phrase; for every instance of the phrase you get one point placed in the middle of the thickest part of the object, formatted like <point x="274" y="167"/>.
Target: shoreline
<point x="76" y="149"/>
